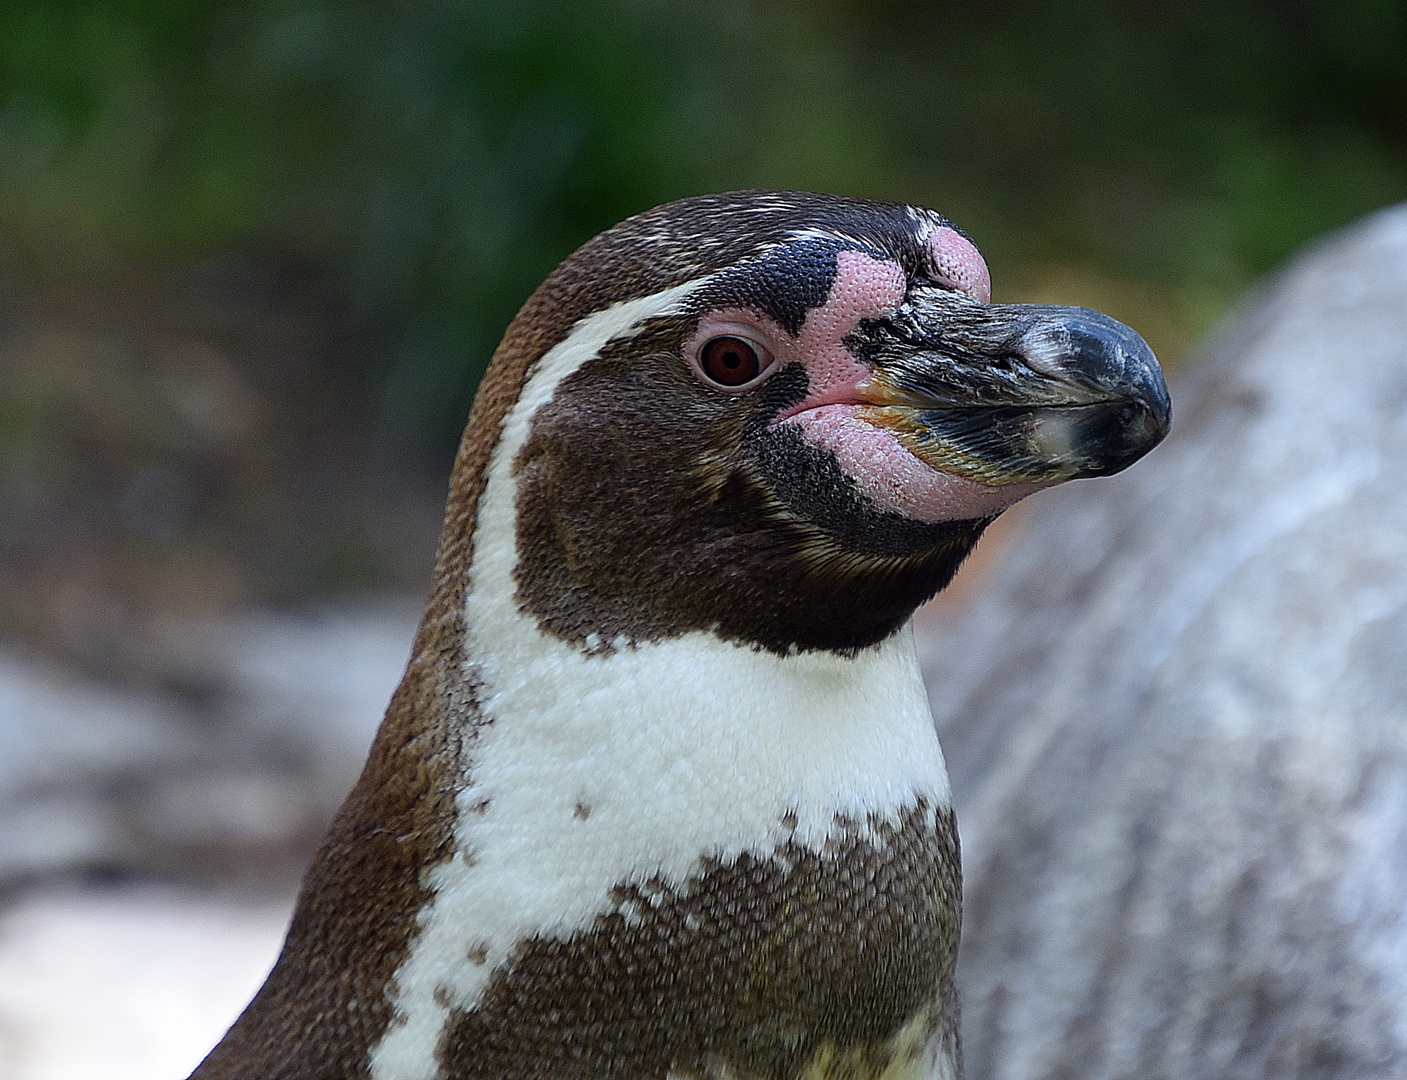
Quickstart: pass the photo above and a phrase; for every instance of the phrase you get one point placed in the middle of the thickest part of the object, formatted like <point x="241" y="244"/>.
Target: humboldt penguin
<point x="659" y="795"/>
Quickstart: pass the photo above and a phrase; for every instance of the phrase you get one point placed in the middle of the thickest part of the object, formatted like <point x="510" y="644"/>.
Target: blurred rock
<point x="1177" y="720"/>
<point x="241" y="778"/>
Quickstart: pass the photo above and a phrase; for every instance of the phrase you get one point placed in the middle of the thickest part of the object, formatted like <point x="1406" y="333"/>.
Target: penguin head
<point x="784" y="419"/>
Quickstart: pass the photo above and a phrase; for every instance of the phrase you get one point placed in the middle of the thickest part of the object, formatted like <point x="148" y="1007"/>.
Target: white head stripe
<point x="587" y="338"/>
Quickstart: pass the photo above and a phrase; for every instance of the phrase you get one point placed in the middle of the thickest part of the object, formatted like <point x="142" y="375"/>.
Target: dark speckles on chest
<point x="758" y="966"/>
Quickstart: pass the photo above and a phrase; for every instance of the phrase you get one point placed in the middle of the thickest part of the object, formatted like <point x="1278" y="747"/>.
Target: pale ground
<point x="130" y="983"/>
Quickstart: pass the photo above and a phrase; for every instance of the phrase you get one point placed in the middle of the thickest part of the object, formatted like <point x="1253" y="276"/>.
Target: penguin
<point x="659" y="796"/>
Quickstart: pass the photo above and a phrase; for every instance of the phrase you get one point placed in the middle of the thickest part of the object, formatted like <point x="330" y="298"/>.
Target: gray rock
<point x="243" y="778"/>
<point x="1177" y="720"/>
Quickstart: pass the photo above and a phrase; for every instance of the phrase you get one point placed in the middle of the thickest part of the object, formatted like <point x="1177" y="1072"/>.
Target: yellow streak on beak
<point x="903" y="423"/>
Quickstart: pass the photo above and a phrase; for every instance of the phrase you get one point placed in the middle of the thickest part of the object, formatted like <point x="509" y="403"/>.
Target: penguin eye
<point x="730" y="361"/>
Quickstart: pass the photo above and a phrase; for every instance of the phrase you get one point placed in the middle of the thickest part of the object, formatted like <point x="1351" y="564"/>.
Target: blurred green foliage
<point x="432" y="160"/>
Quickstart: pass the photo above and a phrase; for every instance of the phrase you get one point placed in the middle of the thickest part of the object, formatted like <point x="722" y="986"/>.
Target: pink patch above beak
<point x="883" y="469"/>
<point x="958" y="264"/>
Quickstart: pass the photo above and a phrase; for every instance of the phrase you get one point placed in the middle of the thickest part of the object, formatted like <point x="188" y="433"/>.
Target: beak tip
<point x="1146" y="423"/>
<point x="1111" y="358"/>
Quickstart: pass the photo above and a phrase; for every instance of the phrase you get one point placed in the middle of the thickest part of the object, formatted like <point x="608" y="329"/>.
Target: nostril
<point x="1089" y="349"/>
<point x="1096" y="355"/>
<point x="1046" y="348"/>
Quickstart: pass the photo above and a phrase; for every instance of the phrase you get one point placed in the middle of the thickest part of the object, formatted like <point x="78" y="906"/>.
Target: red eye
<point x="729" y="361"/>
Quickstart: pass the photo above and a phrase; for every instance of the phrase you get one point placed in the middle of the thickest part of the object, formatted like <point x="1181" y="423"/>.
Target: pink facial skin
<point x="955" y="262"/>
<point x="864" y="288"/>
<point x="894" y="478"/>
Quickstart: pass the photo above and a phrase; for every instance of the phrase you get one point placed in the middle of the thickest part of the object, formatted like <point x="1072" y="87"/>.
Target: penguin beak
<point x="1011" y="393"/>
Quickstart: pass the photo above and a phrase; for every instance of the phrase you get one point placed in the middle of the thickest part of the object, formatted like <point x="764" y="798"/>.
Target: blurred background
<point x="255" y="255"/>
